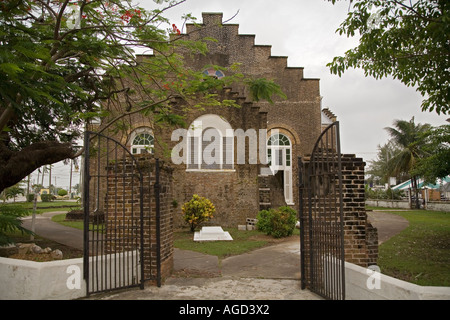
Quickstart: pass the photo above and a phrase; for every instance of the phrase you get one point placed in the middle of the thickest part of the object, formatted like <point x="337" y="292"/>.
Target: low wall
<point x="366" y="284"/>
<point x="401" y="204"/>
<point x="30" y="280"/>
<point x="397" y="204"/>
<point x="56" y="280"/>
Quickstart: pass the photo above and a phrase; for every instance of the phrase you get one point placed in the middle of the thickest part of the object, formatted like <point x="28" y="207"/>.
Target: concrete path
<point x="48" y="229"/>
<point x="387" y="224"/>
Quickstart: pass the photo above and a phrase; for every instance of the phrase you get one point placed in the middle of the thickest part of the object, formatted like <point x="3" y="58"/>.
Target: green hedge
<point x="277" y="223"/>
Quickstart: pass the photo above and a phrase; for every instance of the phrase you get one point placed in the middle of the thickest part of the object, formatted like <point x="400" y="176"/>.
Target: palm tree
<point x="410" y="139"/>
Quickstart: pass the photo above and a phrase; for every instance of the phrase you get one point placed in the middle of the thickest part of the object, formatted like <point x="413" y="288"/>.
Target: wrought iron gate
<point x="115" y="223"/>
<point x="321" y="217"/>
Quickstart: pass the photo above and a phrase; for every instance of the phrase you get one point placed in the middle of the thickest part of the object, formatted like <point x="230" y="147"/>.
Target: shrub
<point x="264" y="223"/>
<point x="30" y="197"/>
<point x="62" y="192"/>
<point x="277" y="223"/>
<point x="46" y="197"/>
<point x="197" y="211"/>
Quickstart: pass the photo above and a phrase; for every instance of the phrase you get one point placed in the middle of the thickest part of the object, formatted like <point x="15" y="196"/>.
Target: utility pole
<point x="50" y="180"/>
<point x="70" y="181"/>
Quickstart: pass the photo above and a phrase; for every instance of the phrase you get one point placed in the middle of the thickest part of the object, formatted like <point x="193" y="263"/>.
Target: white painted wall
<point x="358" y="281"/>
<point x="59" y="280"/>
<point x="30" y="280"/>
<point x="401" y="204"/>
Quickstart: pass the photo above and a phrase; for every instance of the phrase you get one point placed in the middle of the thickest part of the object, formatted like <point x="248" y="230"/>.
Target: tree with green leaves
<point x="378" y="169"/>
<point x="410" y="139"/>
<point x="436" y="163"/>
<point x="408" y="40"/>
<point x="10" y="222"/>
<point x="66" y="63"/>
<point x="13" y="192"/>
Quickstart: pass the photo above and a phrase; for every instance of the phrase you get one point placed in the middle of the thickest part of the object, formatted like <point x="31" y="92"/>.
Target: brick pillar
<point x="360" y="237"/>
<point x="123" y="213"/>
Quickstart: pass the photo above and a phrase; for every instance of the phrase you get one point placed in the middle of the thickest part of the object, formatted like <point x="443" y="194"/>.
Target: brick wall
<point x="361" y="238"/>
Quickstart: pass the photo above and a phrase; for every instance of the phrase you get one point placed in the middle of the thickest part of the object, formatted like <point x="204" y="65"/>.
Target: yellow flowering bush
<point x="197" y="211"/>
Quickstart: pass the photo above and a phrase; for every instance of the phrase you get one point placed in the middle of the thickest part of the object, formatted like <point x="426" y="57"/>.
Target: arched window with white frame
<point x="210" y="144"/>
<point x="142" y="141"/>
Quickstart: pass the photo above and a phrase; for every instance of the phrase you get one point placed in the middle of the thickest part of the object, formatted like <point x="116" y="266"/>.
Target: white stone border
<point x="358" y="280"/>
<point x="55" y="280"/>
<point x="30" y="280"/>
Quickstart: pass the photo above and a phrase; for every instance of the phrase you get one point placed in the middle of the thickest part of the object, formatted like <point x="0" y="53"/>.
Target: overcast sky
<point x="304" y="30"/>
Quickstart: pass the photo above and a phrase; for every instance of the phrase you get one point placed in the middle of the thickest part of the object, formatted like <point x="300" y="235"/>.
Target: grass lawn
<point x="243" y="241"/>
<point x="421" y="253"/>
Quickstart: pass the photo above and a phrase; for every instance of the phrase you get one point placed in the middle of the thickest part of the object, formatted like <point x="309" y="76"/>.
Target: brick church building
<point x="239" y="190"/>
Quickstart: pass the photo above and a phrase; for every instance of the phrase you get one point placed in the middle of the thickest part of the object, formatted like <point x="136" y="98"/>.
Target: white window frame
<point x="141" y="149"/>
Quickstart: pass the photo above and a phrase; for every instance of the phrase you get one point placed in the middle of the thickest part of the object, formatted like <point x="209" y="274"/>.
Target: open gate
<point x="321" y="217"/>
<point x="116" y="224"/>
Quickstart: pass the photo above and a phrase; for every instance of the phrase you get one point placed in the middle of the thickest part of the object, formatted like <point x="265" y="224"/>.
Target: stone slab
<point x="212" y="234"/>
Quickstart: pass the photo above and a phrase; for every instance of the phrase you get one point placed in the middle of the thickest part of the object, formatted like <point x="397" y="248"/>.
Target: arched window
<point x="142" y="141"/>
<point x="210" y="144"/>
<point x="279" y="150"/>
<point x="214" y="73"/>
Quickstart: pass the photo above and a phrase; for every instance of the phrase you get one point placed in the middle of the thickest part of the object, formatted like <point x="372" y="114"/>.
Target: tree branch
<point x="133" y="112"/>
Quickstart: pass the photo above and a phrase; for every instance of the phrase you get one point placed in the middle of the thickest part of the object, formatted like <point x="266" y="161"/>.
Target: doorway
<point x="279" y="153"/>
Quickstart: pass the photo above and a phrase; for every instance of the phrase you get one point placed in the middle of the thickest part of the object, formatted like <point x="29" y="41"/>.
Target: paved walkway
<point x="387" y="224"/>
<point x="54" y="231"/>
<point x="269" y="273"/>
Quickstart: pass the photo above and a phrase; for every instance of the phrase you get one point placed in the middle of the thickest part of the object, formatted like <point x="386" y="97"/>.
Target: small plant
<point x="10" y="221"/>
<point x="197" y="211"/>
<point x="277" y="223"/>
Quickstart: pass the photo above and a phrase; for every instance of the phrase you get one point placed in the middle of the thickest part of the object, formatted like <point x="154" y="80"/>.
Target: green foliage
<point x="277" y="223"/>
<point x="262" y="89"/>
<point x="435" y="163"/>
<point x="13" y="192"/>
<point x="383" y="194"/>
<point x="30" y="197"/>
<point x="46" y="197"/>
<point x="10" y="222"/>
<point x="64" y="65"/>
<point x="407" y="40"/>
<point x="197" y="211"/>
<point x="62" y="192"/>
<point x="415" y="150"/>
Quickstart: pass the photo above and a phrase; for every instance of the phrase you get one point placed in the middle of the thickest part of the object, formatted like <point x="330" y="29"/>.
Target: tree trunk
<point x="16" y="165"/>
<point x="416" y="192"/>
